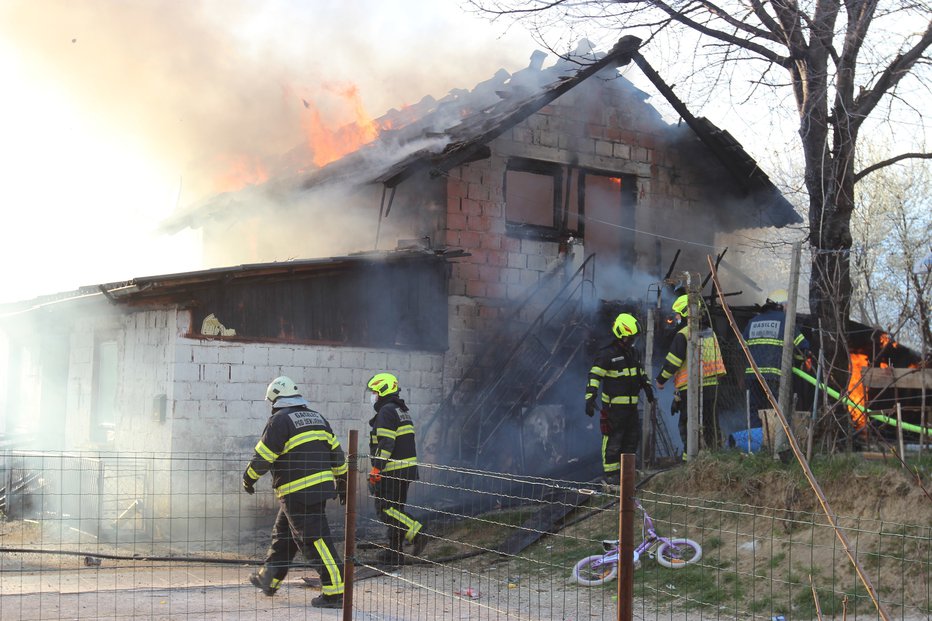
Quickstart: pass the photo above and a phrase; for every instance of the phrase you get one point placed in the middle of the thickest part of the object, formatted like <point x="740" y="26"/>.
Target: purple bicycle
<point x="672" y="553"/>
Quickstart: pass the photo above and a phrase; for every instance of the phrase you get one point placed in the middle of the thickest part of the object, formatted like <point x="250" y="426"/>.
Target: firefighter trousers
<point x="709" y="433"/>
<point x="624" y="435"/>
<point x="390" y="499"/>
<point x="305" y="528"/>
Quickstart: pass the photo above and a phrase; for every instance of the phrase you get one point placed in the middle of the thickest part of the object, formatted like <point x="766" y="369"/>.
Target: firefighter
<point x="764" y="337"/>
<point x="393" y="455"/>
<point x="712" y="368"/>
<point x="308" y="469"/>
<point x="618" y="373"/>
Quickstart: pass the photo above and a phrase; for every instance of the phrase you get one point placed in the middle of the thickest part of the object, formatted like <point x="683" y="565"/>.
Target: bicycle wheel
<point x="678" y="553"/>
<point x="591" y="571"/>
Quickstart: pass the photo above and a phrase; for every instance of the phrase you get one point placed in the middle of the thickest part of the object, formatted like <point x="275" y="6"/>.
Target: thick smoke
<point x="217" y="90"/>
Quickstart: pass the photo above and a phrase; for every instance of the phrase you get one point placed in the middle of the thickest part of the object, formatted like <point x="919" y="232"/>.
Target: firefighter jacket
<point x="391" y="438"/>
<point x="299" y="449"/>
<point x="713" y="366"/>
<point x="618" y="371"/>
<point x="764" y="337"/>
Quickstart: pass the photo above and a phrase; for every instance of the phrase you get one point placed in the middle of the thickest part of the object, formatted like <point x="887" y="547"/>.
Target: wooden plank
<point x="890" y="377"/>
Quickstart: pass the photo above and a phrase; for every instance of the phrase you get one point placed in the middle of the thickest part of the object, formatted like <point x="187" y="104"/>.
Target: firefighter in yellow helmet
<point x="616" y="380"/>
<point x="308" y="468"/>
<point x="713" y="367"/>
<point x="393" y="453"/>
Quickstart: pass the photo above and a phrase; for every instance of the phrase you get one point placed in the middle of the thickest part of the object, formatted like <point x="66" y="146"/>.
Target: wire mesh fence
<point x="173" y="536"/>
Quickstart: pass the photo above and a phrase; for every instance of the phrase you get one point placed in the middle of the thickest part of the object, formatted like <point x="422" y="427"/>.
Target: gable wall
<point x="602" y="125"/>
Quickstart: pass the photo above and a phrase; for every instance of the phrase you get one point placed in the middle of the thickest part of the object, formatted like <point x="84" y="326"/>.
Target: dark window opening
<point x="610" y="208"/>
<point x="534" y="205"/>
<point x="554" y="202"/>
<point x="400" y="305"/>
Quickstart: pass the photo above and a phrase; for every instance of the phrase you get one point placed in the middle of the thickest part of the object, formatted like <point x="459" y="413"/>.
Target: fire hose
<point x="876" y="416"/>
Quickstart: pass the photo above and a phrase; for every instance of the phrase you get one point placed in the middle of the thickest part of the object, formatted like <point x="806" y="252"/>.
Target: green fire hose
<point x="879" y="417"/>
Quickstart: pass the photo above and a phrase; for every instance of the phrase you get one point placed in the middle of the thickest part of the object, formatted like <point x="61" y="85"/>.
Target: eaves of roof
<point x="169" y="287"/>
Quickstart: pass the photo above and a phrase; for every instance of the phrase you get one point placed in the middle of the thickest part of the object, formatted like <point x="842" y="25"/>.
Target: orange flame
<point x="241" y="171"/>
<point x="856" y="392"/>
<point x="328" y="144"/>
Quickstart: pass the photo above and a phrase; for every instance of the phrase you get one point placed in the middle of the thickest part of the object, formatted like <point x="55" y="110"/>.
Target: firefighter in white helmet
<point x="616" y="380"/>
<point x="308" y="468"/>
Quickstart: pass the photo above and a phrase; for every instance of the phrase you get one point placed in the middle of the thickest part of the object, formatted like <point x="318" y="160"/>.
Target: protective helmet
<point x="281" y="387"/>
<point x="777" y="296"/>
<point x="625" y="325"/>
<point x="383" y="384"/>
<point x="681" y="305"/>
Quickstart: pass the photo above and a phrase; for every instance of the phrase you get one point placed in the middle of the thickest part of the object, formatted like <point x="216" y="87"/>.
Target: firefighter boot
<point x="263" y="581"/>
<point x="418" y="544"/>
<point x="393" y="555"/>
<point x="327" y="601"/>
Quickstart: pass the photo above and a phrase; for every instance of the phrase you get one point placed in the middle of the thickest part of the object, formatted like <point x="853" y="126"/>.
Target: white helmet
<point x="281" y="387"/>
<point x="777" y="296"/>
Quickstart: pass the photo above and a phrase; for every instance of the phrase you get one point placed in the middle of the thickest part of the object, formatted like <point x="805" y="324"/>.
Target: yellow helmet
<point x="625" y="325"/>
<point x="383" y="384"/>
<point x="777" y="296"/>
<point x="681" y="305"/>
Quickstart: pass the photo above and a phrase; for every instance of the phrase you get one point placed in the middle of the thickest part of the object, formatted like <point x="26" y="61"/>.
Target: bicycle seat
<point x="609" y="544"/>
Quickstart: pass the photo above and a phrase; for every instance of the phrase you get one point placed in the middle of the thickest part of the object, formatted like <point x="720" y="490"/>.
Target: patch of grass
<point x="689" y="585"/>
<point x="711" y="543"/>
<point x="777" y="560"/>
<point x="760" y="605"/>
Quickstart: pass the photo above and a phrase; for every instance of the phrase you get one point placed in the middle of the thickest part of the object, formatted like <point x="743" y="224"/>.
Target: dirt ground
<point x="488" y="586"/>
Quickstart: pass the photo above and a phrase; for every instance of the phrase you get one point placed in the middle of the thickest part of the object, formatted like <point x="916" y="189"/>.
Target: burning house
<point x="465" y="249"/>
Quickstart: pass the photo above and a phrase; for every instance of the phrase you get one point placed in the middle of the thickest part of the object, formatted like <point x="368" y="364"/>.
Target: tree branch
<point x="870" y="97"/>
<point x="678" y="16"/>
<point x="769" y="34"/>
<point x="887" y="162"/>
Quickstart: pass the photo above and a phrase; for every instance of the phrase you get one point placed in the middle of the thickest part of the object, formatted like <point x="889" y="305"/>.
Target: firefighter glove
<point x="341" y="488"/>
<point x="590" y="408"/>
<point x="676" y="405"/>
<point x="605" y="427"/>
<point x="248" y="485"/>
<point x="649" y="393"/>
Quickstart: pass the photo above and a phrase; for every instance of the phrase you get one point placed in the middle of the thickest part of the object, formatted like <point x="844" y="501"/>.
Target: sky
<point x="116" y="113"/>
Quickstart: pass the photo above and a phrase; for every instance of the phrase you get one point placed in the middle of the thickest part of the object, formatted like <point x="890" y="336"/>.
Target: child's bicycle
<point x="672" y="553"/>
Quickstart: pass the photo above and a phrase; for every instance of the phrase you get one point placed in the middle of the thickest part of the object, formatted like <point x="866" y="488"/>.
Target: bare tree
<point x="892" y="233"/>
<point x="842" y="60"/>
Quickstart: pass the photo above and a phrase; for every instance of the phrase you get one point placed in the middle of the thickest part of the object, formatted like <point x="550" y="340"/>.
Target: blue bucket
<point x="739" y="440"/>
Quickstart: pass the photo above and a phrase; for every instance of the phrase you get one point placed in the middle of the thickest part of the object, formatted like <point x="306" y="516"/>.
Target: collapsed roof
<point x="438" y="135"/>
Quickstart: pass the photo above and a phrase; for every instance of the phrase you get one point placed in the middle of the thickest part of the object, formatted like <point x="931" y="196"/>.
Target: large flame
<point x="240" y="171"/>
<point x="328" y="144"/>
<point x="856" y="391"/>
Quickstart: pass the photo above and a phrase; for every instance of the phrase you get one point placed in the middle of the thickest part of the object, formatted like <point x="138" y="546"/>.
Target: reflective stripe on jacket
<point x="764" y="337"/>
<point x="300" y="450"/>
<point x="618" y="372"/>
<point x="392" y="446"/>
<point x="713" y="366"/>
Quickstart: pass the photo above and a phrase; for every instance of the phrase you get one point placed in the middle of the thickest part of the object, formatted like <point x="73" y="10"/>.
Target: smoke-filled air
<point x="118" y="116"/>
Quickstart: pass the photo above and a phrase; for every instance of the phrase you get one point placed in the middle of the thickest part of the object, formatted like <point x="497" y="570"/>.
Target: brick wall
<point x="604" y="125"/>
